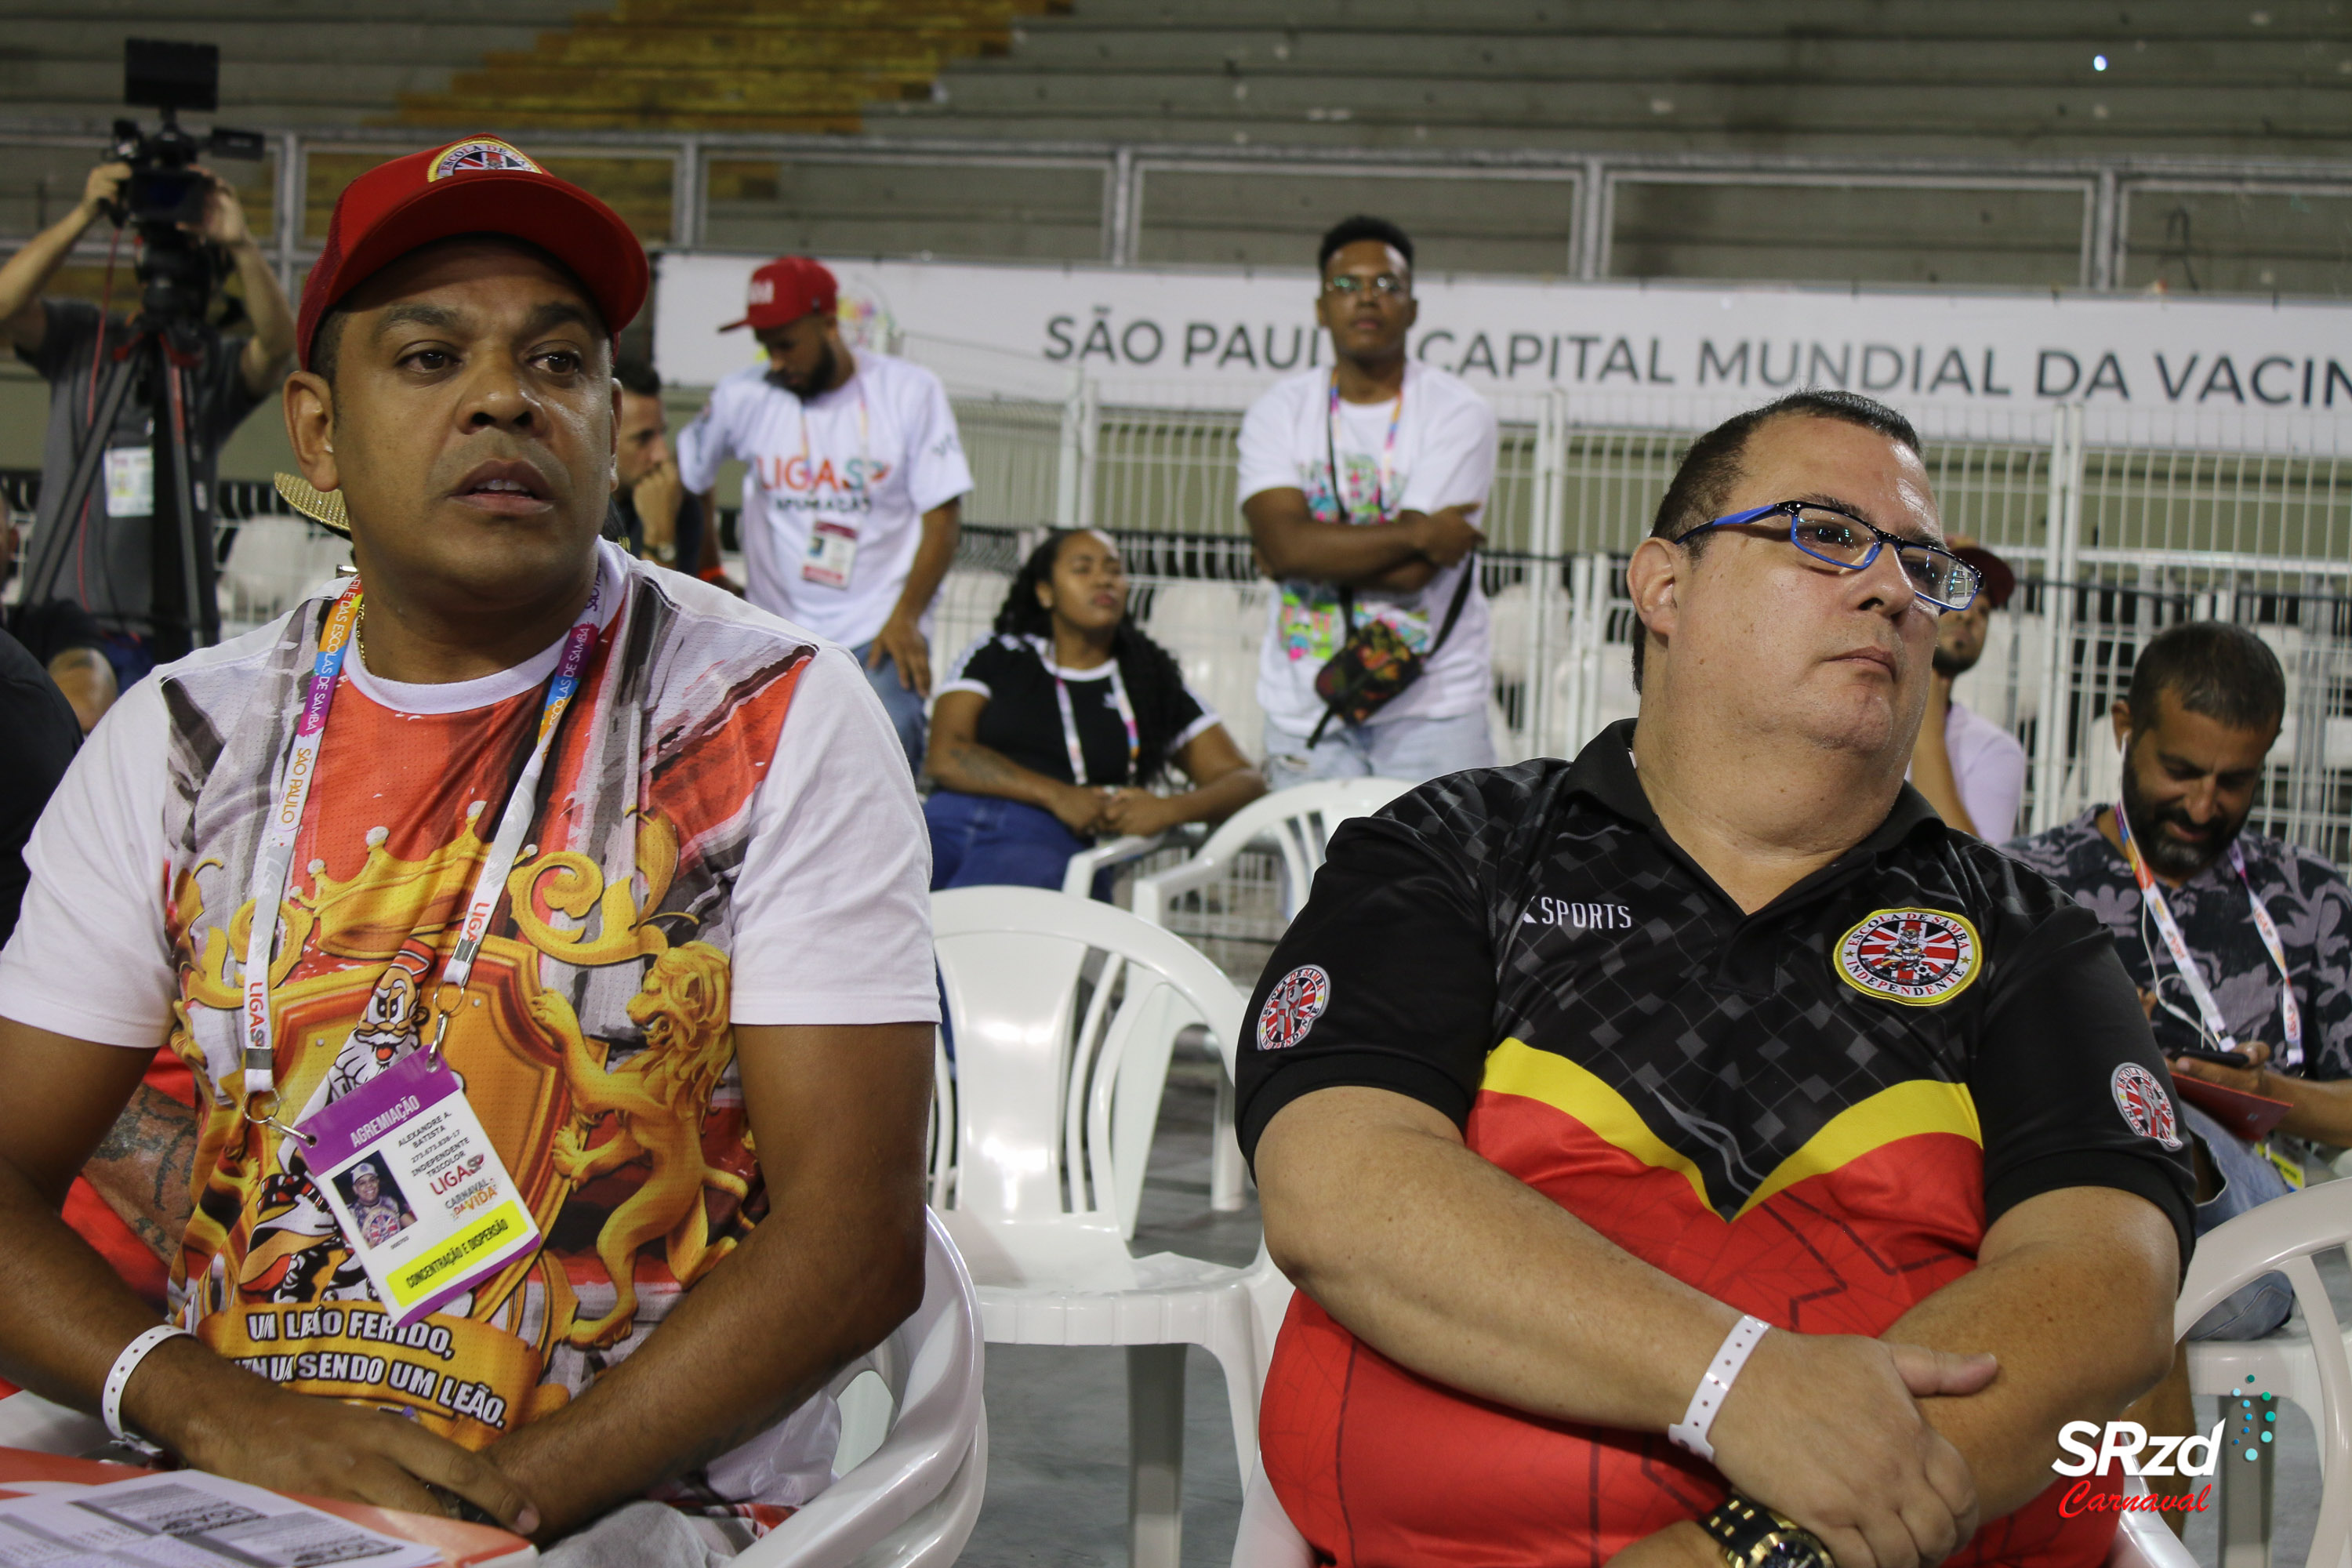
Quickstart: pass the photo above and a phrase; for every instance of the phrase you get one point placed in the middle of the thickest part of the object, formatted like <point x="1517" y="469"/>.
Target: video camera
<point x="165" y="190"/>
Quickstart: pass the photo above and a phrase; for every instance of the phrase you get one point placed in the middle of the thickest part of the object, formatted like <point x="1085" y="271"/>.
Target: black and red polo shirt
<point x="1812" y="1112"/>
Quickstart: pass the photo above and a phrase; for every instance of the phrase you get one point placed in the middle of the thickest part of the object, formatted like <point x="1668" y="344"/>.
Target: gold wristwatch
<point x="1752" y="1536"/>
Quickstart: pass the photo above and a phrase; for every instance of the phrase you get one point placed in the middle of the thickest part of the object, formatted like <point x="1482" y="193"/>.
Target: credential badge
<point x="1916" y="957"/>
<point x="2147" y="1109"/>
<point x="1291" y="1008"/>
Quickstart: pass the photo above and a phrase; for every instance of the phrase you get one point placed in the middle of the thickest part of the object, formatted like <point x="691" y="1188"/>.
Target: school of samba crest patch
<point x="480" y="155"/>
<point x="1916" y="957"/>
<point x="1291" y="1008"/>
<point x="2146" y="1108"/>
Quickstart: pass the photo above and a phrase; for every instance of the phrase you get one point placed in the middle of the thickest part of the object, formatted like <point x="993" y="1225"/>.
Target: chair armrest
<point x="1079" y="880"/>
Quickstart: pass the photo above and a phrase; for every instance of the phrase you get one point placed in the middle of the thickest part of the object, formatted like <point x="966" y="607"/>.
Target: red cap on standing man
<point x="784" y="291"/>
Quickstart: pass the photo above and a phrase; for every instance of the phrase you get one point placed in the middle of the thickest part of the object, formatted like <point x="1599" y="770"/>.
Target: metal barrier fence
<point x="2140" y="537"/>
<point x="2111" y="544"/>
<point x="2104" y="223"/>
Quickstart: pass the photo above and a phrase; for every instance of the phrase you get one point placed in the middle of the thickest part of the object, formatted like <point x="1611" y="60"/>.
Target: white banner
<point x="2147" y="369"/>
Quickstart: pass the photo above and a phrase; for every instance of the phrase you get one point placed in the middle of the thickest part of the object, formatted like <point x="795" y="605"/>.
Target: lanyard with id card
<point x="2159" y="909"/>
<point x="831" y="558"/>
<point x="423" y="1200"/>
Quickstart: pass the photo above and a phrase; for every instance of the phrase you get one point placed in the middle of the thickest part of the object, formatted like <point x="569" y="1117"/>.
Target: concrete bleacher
<point x="285" y="64"/>
<point x="1972" y="91"/>
<point x="713" y="64"/>
<point x="1840" y="76"/>
<point x="727" y="65"/>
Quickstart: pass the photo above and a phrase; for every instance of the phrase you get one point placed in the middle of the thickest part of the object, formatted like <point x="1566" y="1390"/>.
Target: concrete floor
<point x="1057" y="1419"/>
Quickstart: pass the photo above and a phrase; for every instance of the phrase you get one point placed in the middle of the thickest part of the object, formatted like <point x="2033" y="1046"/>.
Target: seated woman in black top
<point x="1045" y="732"/>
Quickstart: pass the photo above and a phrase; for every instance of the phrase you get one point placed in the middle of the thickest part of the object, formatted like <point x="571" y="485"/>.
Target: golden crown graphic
<point x="369" y="914"/>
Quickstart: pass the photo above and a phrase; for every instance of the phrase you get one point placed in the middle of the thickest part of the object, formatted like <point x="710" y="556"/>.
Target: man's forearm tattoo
<point x="141" y="1168"/>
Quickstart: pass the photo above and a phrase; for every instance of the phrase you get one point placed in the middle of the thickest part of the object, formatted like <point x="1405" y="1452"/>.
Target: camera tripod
<point x="184" y="610"/>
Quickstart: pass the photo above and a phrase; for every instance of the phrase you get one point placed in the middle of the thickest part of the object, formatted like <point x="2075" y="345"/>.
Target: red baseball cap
<point x="479" y="185"/>
<point x="2000" y="581"/>
<point x="785" y="289"/>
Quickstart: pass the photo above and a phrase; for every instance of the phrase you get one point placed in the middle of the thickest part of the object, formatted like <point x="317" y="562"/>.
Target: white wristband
<point x="1714" y="1386"/>
<point x="118" y="1378"/>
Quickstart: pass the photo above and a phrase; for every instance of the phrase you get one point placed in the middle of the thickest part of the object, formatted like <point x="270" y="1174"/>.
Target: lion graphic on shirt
<point x="656" y="1100"/>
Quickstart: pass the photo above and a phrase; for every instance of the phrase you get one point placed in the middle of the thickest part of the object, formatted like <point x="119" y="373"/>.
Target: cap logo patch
<point x="2147" y="1109"/>
<point x="1916" y="957"/>
<point x="763" y="291"/>
<point x="1291" y="1008"/>
<point x="484" y="154"/>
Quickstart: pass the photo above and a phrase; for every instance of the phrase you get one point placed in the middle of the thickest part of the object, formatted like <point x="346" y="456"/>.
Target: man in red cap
<point x="1971" y="770"/>
<point x="852" y="485"/>
<point x="640" y="863"/>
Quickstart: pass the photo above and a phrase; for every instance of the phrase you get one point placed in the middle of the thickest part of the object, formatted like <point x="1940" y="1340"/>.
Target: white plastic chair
<point x="907" y="1501"/>
<point x="911" y="1501"/>
<point x="2306" y="1364"/>
<point x="1078" y="878"/>
<point x="1065" y="1013"/>
<point x="1297" y="822"/>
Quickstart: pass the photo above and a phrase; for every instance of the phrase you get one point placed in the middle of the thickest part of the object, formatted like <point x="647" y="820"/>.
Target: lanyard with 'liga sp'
<point x="273" y="867"/>
<point x="2160" y="909"/>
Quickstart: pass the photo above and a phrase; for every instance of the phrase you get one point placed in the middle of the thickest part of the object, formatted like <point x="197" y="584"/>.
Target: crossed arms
<point x="1890" y="1450"/>
<point x="837" y="1112"/>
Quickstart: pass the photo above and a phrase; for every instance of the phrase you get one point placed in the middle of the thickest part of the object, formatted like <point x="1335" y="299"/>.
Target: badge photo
<point x="2146" y="1108"/>
<point x="1915" y="957"/>
<point x="1291" y="1008"/>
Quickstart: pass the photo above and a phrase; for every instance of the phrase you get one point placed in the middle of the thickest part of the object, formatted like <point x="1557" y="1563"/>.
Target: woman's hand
<point x="1079" y="807"/>
<point x="1139" y="811"/>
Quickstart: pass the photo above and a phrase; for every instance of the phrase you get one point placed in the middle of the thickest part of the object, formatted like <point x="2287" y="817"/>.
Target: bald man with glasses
<point x="1697" y="1153"/>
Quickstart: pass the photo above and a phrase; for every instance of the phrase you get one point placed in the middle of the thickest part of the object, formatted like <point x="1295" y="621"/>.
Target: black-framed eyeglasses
<point x="1845" y="542"/>
<point x="1387" y="286"/>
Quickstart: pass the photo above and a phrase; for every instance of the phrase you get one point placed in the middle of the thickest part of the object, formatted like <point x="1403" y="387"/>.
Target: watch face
<point x="1783" y="1551"/>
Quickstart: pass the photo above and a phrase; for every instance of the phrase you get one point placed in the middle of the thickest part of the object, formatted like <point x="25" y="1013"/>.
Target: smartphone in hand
<point x="2224" y="1059"/>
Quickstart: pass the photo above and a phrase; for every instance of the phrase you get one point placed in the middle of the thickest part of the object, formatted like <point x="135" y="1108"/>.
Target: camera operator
<point x="61" y="339"/>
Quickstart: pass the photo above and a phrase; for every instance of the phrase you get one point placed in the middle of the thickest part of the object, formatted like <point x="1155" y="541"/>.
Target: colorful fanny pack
<point x="1376" y="665"/>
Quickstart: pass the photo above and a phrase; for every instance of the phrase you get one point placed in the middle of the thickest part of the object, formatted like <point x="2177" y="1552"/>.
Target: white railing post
<point x="1074" y="486"/>
<point x="1546" y="606"/>
<point x="2052" y="734"/>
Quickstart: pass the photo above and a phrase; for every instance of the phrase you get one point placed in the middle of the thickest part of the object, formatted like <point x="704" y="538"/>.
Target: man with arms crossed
<point x="1574" y="1085"/>
<point x="2200" y="716"/>
<point x="1362" y="485"/>
<point x="713" y="929"/>
<point x="853" y="484"/>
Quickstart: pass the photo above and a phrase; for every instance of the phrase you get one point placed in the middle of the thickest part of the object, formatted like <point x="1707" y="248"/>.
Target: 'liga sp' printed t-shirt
<point x="870" y="458"/>
<point x="729" y="836"/>
<point x="1443" y="456"/>
<point x="1812" y="1112"/>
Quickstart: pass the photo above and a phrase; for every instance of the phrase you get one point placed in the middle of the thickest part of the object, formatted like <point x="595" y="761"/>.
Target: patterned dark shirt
<point x="2307" y="899"/>
<point x="1812" y="1112"/>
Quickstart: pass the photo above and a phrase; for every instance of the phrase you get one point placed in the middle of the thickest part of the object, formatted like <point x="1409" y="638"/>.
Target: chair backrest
<point x="1065" y="1012"/>
<point x="1297" y="822"/>
<point x="2281" y="1236"/>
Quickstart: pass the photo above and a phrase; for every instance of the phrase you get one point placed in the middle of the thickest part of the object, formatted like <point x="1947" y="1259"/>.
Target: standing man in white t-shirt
<point x="1363" y="487"/>
<point x="853" y="484"/>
